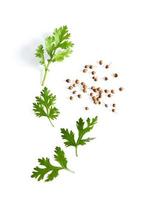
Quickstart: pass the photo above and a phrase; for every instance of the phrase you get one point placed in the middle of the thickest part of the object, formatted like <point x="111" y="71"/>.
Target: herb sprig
<point x="57" y="47"/>
<point x="48" y="171"/>
<point x="45" y="105"/>
<point x="83" y="128"/>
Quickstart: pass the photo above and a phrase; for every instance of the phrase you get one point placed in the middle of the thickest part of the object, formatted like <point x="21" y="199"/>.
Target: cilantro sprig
<point x="57" y="47"/>
<point x="83" y="128"/>
<point x="48" y="171"/>
<point x="45" y="105"/>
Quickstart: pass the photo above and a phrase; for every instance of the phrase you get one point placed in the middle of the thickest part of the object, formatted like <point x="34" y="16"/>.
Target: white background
<point x="119" y="164"/>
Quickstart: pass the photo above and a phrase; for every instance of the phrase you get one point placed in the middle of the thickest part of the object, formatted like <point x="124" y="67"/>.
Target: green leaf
<point x="58" y="46"/>
<point x="43" y="173"/>
<point x="40" y="54"/>
<point x="46" y="171"/>
<point x="68" y="136"/>
<point x="83" y="128"/>
<point x="60" y="157"/>
<point x="45" y="105"/>
<point x="56" y="42"/>
<point x="61" y="55"/>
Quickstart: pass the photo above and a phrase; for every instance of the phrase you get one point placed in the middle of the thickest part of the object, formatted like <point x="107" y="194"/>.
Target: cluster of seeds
<point x="98" y="94"/>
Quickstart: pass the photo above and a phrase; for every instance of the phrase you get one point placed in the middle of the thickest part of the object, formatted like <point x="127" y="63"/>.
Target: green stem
<point x="46" y="68"/>
<point x="76" y="151"/>
<point x="44" y="77"/>
<point x="50" y="122"/>
<point x="70" y="170"/>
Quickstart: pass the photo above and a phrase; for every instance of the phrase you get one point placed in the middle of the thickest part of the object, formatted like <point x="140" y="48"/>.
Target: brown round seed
<point x="73" y="85"/>
<point x="113" y="105"/>
<point x="106" y="66"/>
<point x="109" y="95"/>
<point x="100" y="62"/>
<point x="113" y="110"/>
<point x="79" y="95"/>
<point x="77" y="81"/>
<point x="105" y="78"/>
<point x="74" y="92"/>
<point x="68" y="80"/>
<point x="106" y="91"/>
<point x="90" y="66"/>
<point x="93" y="72"/>
<point x="115" y="75"/>
<point x="82" y="83"/>
<point x="95" y="79"/>
<point x="121" y="89"/>
<point x="86" y="66"/>
<point x="85" y="70"/>
<point x="86" y="108"/>
<point x="91" y="94"/>
<point x="71" y="98"/>
<point x="106" y="105"/>
<point x="70" y="87"/>
<point x="112" y="91"/>
<point x="99" y="102"/>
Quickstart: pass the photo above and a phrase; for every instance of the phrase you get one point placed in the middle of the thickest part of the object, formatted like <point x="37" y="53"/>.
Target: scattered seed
<point x="106" y="66"/>
<point x="90" y="66"/>
<point x="99" y="102"/>
<point x="106" y="105"/>
<point x="74" y="85"/>
<point x="100" y="62"/>
<point x="93" y="72"/>
<point x="68" y="80"/>
<point x="86" y="66"/>
<point x="79" y="96"/>
<point x="105" y="78"/>
<point x="106" y="91"/>
<point x="71" y="98"/>
<point x="82" y="83"/>
<point x="113" y="110"/>
<point x="77" y="81"/>
<point x="121" y="89"/>
<point x="91" y="94"/>
<point x="115" y="75"/>
<point x="85" y="70"/>
<point x="113" y="105"/>
<point x="109" y="95"/>
<point x="86" y="108"/>
<point x="74" y="92"/>
<point x="95" y="79"/>
<point x="112" y="91"/>
<point x="70" y="87"/>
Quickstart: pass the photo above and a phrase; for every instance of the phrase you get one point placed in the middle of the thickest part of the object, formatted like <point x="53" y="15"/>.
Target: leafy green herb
<point x="45" y="105"/>
<point x="58" y="46"/>
<point x="49" y="171"/>
<point x="83" y="128"/>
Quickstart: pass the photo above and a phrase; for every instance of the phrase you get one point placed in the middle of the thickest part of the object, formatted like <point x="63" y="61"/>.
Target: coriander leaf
<point x="40" y="54"/>
<point x="68" y="136"/>
<point x="60" y="157"/>
<point x="89" y="126"/>
<point x="83" y="128"/>
<point x="47" y="171"/>
<point x="60" y="56"/>
<point x="57" y="46"/>
<point x="45" y="105"/>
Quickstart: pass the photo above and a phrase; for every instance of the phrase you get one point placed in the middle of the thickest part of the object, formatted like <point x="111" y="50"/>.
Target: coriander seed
<point x="68" y="80"/>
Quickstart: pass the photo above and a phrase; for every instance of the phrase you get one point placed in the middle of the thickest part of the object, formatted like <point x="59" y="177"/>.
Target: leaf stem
<point x="76" y="151"/>
<point x="46" y="68"/>
<point x="70" y="170"/>
<point x="50" y="122"/>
